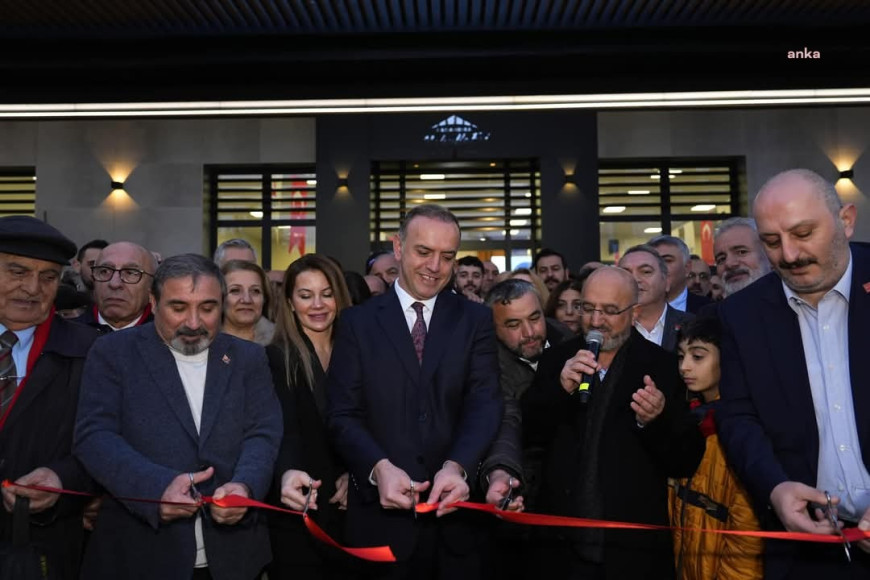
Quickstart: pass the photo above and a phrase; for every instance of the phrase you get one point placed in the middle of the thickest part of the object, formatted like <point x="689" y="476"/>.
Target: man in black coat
<point x="38" y="400"/>
<point x="609" y="457"/>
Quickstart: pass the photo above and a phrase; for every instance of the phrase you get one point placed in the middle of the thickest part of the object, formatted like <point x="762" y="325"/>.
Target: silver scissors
<point x="194" y="492"/>
<point x="832" y="517"/>
<point x="509" y="497"/>
<point x="413" y="500"/>
<point x="308" y="497"/>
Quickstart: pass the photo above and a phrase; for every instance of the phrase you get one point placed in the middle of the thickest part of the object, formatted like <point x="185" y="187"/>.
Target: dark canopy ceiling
<point x="112" y="50"/>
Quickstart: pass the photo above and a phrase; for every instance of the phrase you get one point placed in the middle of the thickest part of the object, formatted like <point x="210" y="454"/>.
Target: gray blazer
<point x="135" y="433"/>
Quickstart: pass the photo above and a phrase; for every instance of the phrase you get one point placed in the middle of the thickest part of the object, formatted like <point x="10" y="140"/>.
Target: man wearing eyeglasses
<point x="699" y="276"/>
<point x="609" y="458"/>
<point x="122" y="278"/>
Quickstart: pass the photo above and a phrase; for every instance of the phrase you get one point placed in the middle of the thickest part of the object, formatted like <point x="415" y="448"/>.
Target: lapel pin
<point x="867" y="287"/>
<point x="226" y="360"/>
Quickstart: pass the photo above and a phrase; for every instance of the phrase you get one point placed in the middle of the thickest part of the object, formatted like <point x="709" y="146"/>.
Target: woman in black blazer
<point x="314" y="295"/>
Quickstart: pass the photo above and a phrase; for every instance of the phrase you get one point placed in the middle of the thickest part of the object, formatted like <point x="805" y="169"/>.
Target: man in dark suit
<point x="122" y="275"/>
<point x="795" y="412"/>
<point x="39" y="387"/>
<point x="414" y="404"/>
<point x="677" y="256"/>
<point x="657" y="321"/>
<point x="609" y="458"/>
<point x="171" y="409"/>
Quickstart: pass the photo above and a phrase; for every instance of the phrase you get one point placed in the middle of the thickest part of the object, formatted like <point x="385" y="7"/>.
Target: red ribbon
<point x="374" y="554"/>
<point x="384" y="554"/>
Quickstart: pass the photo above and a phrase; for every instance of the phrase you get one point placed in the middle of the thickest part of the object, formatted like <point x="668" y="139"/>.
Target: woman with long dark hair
<point x="314" y="296"/>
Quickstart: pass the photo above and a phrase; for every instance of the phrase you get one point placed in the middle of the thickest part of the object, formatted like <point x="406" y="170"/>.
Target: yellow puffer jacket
<point x="714" y="556"/>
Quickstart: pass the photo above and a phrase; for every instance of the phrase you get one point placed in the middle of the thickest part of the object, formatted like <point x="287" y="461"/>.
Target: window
<point x="272" y="207"/>
<point x="17" y="192"/>
<point x="496" y="202"/>
<point x="641" y="199"/>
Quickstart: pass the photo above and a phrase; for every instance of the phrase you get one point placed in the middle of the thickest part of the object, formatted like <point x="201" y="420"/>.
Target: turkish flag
<point x="707" y="242"/>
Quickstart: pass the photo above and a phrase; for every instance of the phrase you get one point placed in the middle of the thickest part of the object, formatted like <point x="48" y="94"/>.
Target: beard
<point x="615" y="341"/>
<point x="731" y="287"/>
<point x="533" y="356"/>
<point x="190" y="348"/>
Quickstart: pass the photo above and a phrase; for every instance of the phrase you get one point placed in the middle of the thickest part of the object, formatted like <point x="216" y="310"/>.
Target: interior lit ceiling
<point x="135" y="50"/>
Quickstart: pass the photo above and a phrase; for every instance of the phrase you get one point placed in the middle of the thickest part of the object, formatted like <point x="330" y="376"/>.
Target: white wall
<point x="771" y="140"/>
<point x="161" y="163"/>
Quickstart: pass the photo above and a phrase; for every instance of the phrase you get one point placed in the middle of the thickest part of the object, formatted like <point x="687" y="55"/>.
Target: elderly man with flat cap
<point x="41" y="361"/>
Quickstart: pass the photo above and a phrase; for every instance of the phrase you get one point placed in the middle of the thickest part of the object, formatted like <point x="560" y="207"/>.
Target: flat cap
<point x="29" y="237"/>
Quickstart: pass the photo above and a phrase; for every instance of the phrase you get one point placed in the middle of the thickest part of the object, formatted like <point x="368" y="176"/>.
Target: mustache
<point x="187" y="331"/>
<point x="731" y="273"/>
<point x="799" y="263"/>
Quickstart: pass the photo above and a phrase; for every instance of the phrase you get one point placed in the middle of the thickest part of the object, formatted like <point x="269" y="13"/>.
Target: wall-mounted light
<point x="342" y="182"/>
<point x="117" y="185"/>
<point x="847" y="174"/>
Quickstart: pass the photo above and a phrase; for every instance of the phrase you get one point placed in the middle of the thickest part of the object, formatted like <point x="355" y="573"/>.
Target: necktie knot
<point x="8" y="339"/>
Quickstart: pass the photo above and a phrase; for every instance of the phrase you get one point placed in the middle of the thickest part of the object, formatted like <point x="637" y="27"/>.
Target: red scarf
<point x="40" y="337"/>
<point x="707" y="425"/>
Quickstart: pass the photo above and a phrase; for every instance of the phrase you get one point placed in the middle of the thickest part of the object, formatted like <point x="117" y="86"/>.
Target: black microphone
<point x="593" y="345"/>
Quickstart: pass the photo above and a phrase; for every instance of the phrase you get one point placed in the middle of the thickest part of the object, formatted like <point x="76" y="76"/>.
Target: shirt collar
<point x="105" y="322"/>
<point x="680" y="302"/>
<point x="406" y="300"/>
<point x="843" y="287"/>
<point x="660" y="323"/>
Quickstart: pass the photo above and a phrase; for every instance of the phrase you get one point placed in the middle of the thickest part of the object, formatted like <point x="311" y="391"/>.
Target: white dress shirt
<point x="658" y="331"/>
<point x="825" y="338"/>
<point x="192" y="369"/>
<point x="407" y="301"/>
<point x="680" y="302"/>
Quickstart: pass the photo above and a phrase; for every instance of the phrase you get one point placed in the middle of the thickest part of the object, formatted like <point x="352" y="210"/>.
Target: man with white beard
<point x="740" y="259"/>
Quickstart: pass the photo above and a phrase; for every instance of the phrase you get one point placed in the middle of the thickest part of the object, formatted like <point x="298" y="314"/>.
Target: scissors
<point x="832" y="517"/>
<point x="194" y="492"/>
<point x="509" y="497"/>
<point x="308" y="497"/>
<point x="413" y="500"/>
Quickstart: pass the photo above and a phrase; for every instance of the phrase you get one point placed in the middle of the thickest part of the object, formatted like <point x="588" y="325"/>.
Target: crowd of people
<point x="662" y="390"/>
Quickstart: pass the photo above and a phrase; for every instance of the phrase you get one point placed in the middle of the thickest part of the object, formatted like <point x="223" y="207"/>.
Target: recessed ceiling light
<point x="638" y="192"/>
<point x="433" y="176"/>
<point x="311" y="182"/>
<point x="614" y="209"/>
<point x="652" y="230"/>
<point x="434" y="196"/>
<point x="523" y="211"/>
<point x="256" y="214"/>
<point x="704" y="207"/>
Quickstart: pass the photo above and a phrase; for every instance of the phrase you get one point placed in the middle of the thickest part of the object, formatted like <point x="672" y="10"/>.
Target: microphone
<point x="593" y="345"/>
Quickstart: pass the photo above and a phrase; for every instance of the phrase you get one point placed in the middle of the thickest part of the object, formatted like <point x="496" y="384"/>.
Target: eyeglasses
<point x="128" y="275"/>
<point x="587" y="309"/>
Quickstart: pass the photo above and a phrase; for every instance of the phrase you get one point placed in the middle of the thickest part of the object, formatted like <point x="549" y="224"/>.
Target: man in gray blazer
<point x="170" y="410"/>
